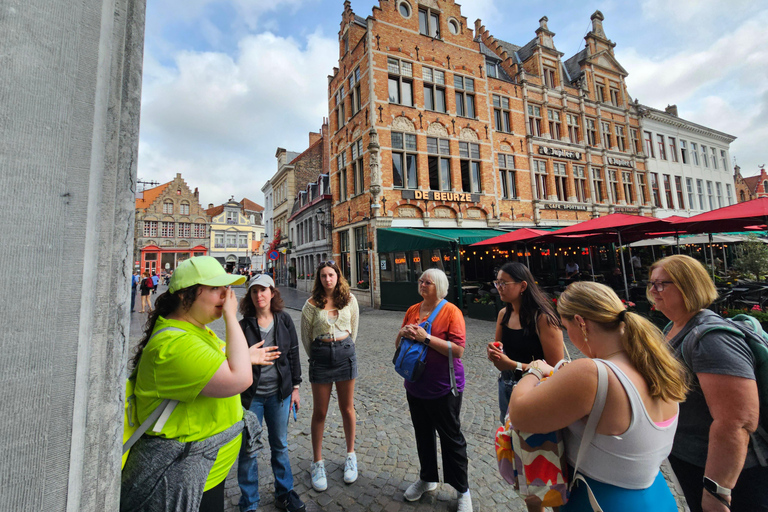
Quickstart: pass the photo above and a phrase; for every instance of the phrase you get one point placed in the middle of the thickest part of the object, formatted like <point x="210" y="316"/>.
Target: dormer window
<point x="231" y="217"/>
<point x="429" y="23"/>
<point x="549" y="77"/>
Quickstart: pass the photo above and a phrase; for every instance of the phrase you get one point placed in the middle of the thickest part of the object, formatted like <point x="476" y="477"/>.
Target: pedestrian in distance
<point x="273" y="394"/>
<point x="145" y="288"/>
<point x="155" y="282"/>
<point x="134" y="284"/>
<point x="434" y="407"/>
<point x="527" y="329"/>
<point x="642" y="383"/>
<point x="329" y="322"/>
<point x="183" y="467"/>
<point x="717" y="454"/>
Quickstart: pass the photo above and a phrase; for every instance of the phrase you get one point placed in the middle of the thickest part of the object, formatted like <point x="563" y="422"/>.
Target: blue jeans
<point x="276" y="413"/>
<point x="506" y="386"/>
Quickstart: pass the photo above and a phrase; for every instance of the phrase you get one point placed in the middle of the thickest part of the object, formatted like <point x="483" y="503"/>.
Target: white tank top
<point x="630" y="460"/>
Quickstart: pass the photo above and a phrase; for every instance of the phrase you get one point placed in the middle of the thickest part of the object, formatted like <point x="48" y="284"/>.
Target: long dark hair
<point x="533" y="301"/>
<point x="165" y="304"/>
<point x="340" y="293"/>
<point x="248" y="308"/>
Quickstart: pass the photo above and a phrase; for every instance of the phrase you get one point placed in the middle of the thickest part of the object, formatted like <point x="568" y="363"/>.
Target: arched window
<point x="167" y="206"/>
<point x="765" y="186"/>
<point x="184" y="208"/>
<point x="741" y="195"/>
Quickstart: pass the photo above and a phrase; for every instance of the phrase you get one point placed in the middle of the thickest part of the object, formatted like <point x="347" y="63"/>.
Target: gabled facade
<point x="170" y="226"/>
<point x="233" y="231"/>
<point x="751" y="187"/>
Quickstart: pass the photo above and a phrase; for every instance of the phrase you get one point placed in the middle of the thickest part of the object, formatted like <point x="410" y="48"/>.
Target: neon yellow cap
<point x="203" y="270"/>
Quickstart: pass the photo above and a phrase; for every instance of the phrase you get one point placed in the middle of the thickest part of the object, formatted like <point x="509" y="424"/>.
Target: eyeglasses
<point x="501" y="284"/>
<point x="658" y="285"/>
<point x="424" y="281"/>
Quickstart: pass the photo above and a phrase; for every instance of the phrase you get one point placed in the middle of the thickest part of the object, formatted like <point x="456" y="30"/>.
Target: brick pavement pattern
<point x="385" y="446"/>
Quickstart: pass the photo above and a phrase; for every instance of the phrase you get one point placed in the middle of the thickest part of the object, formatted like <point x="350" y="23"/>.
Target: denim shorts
<point x="333" y="361"/>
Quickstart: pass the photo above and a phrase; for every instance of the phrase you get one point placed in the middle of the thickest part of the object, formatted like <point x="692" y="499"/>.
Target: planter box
<point x="482" y="311"/>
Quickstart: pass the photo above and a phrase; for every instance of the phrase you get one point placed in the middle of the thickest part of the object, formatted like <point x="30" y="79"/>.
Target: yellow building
<point x="233" y="231"/>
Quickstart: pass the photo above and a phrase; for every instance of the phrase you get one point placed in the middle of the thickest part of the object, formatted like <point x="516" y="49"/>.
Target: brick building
<point x="751" y="187"/>
<point x="170" y="226"/>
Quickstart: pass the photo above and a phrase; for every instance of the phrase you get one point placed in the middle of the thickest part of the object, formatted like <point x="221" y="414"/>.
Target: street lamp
<point x="320" y="214"/>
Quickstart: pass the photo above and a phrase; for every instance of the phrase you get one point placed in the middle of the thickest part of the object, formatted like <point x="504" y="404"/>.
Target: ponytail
<point x="165" y="304"/>
<point x="648" y="351"/>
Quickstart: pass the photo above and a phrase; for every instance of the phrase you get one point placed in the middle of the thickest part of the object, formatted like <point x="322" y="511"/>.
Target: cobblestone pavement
<point x="385" y="446"/>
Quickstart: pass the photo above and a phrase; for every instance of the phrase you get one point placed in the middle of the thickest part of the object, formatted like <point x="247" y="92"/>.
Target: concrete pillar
<point x="70" y="90"/>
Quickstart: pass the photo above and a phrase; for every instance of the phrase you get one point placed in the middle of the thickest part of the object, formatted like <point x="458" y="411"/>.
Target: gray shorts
<point x="332" y="361"/>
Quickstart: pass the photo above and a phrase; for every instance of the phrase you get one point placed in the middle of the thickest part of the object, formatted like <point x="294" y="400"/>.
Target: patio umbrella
<point x="616" y="223"/>
<point x="736" y="217"/>
<point x="519" y="235"/>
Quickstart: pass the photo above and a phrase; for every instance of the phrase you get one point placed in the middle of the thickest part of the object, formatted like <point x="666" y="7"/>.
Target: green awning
<point x="414" y="239"/>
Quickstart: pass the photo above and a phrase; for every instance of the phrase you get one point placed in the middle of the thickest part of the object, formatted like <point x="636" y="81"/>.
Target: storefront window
<point x="401" y="267"/>
<point x="417" y="265"/>
<point x="386" y="268"/>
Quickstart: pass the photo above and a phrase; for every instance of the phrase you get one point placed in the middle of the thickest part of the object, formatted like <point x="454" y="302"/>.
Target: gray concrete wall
<point x="70" y="86"/>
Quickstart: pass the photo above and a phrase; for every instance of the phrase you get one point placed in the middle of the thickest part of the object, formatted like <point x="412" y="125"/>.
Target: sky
<point x="227" y="82"/>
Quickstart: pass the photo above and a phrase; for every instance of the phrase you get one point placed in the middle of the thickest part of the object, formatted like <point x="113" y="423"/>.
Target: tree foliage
<point x="754" y="257"/>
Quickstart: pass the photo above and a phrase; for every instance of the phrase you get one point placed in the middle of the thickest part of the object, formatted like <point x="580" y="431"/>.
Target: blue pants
<point x="506" y="385"/>
<point x="275" y="412"/>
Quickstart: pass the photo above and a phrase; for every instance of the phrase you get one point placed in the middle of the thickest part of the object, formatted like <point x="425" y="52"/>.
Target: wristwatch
<point x="427" y="341"/>
<point x="715" y="488"/>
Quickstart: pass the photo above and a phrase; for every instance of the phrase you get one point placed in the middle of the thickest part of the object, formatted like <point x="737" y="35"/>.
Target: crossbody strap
<point x="428" y="327"/>
<point x="589" y="430"/>
<point x="161" y="413"/>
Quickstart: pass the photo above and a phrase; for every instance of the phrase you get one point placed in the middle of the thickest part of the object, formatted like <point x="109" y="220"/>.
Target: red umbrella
<point x="519" y="235"/>
<point x="736" y="217"/>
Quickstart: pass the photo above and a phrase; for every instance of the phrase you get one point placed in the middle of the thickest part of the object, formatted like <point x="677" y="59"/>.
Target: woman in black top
<point x="527" y="329"/>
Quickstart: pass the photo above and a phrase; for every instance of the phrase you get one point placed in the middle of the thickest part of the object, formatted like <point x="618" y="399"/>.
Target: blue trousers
<point x="275" y="412"/>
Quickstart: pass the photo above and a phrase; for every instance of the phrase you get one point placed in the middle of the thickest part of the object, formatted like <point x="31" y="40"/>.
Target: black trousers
<point x="749" y="495"/>
<point x="440" y="416"/>
<point x="213" y="499"/>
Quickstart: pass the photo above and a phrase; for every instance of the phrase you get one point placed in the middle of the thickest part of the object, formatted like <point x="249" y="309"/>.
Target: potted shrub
<point x="362" y="285"/>
<point x="483" y="308"/>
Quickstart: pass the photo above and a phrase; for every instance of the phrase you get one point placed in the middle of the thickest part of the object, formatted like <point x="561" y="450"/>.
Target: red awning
<point x="519" y="235"/>
<point x="736" y="217"/>
<point x="613" y="223"/>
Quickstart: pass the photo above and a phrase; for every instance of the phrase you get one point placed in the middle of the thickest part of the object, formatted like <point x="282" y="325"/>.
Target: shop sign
<point x="626" y="209"/>
<point x="560" y="153"/>
<point x="429" y="195"/>
<point x="620" y="162"/>
<point x="564" y="206"/>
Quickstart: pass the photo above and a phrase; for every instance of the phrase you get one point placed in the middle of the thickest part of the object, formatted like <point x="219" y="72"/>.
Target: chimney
<point x="314" y="137"/>
<point x="210" y="205"/>
<point x="543" y="23"/>
<point x="178" y="175"/>
<point x="671" y="110"/>
<point x="197" y="194"/>
<point x="597" y="24"/>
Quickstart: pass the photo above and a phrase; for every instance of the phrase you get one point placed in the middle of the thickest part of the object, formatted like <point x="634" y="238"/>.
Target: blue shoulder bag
<point x="410" y="356"/>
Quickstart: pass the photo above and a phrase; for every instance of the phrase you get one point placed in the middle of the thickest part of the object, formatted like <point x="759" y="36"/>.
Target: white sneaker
<point x="319" y="482"/>
<point x="418" y="488"/>
<point x="465" y="503"/>
<point x="350" y="468"/>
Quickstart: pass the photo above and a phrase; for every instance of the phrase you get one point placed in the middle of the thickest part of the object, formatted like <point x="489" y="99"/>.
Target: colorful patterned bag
<point x="536" y="463"/>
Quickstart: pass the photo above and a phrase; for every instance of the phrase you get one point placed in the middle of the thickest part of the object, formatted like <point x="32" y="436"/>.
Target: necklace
<point x="613" y="354"/>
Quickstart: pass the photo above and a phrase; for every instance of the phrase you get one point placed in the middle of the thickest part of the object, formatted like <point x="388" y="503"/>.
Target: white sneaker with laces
<point x="350" y="468"/>
<point x="317" y="470"/>
<point x="465" y="503"/>
<point x="418" y="488"/>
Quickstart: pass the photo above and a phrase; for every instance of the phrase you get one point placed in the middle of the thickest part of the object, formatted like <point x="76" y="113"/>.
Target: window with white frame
<point x="680" y="194"/>
<point x="662" y="149"/>
<point x="704" y="157"/>
<point x="358" y="176"/>
<point x="729" y="193"/>
<point x="629" y="191"/>
<point x="242" y="241"/>
<point x="613" y="180"/>
<point x="404" y="172"/>
<point x="615" y="97"/>
<point x="561" y="180"/>
<point x="465" y="96"/>
<point x="491" y="68"/>
<point x="700" y="191"/>
<point x="439" y="163"/>
<point x="554" y="123"/>
<point x="184" y="208"/>
<point x="710" y="195"/>
<point x="713" y="154"/>
<point x="167" y="206"/>
<point x="605" y="132"/>
<point x="534" y="120"/>
<point x="507" y="176"/>
<point x="600" y="90"/>
<point x="501" y="113"/>
<point x="580" y="183"/>
<point x="724" y="159"/>
<point x="643" y="188"/>
<point x="597" y="182"/>
<point x="434" y="89"/>
<point x="200" y="230"/>
<point x="694" y="154"/>
<point x="672" y="149"/>
<point x="429" y="23"/>
<point x="591" y="132"/>
<point x="218" y="240"/>
<point x="231" y="239"/>
<point x="469" y="154"/>
<point x="150" y="228"/>
<point x="689" y="189"/>
<point x="341" y="166"/>
<point x="354" y="89"/>
<point x="668" y="191"/>
<point x="400" y="81"/>
<point x="573" y="127"/>
<point x="341" y="114"/>
<point x="621" y="138"/>
<point x="719" y="191"/>
<point x="167" y="229"/>
<point x="185" y="229"/>
<point x="540" y="174"/>
<point x="683" y="151"/>
<point x="635" y="140"/>
<point x="655" y="192"/>
<point x="231" y="217"/>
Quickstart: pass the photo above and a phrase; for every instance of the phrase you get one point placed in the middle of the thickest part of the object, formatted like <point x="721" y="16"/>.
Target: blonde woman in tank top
<point x="328" y="331"/>
<point x="635" y="432"/>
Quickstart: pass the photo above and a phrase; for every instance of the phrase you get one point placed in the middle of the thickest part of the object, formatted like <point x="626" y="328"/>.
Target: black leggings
<point x="213" y="499"/>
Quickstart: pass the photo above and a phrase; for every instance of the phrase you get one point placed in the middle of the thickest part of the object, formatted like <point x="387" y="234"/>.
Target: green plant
<point x="754" y="257"/>
<point x="485" y="299"/>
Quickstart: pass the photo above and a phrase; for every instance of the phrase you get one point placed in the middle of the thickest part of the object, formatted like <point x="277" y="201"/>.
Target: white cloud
<point x="219" y="119"/>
